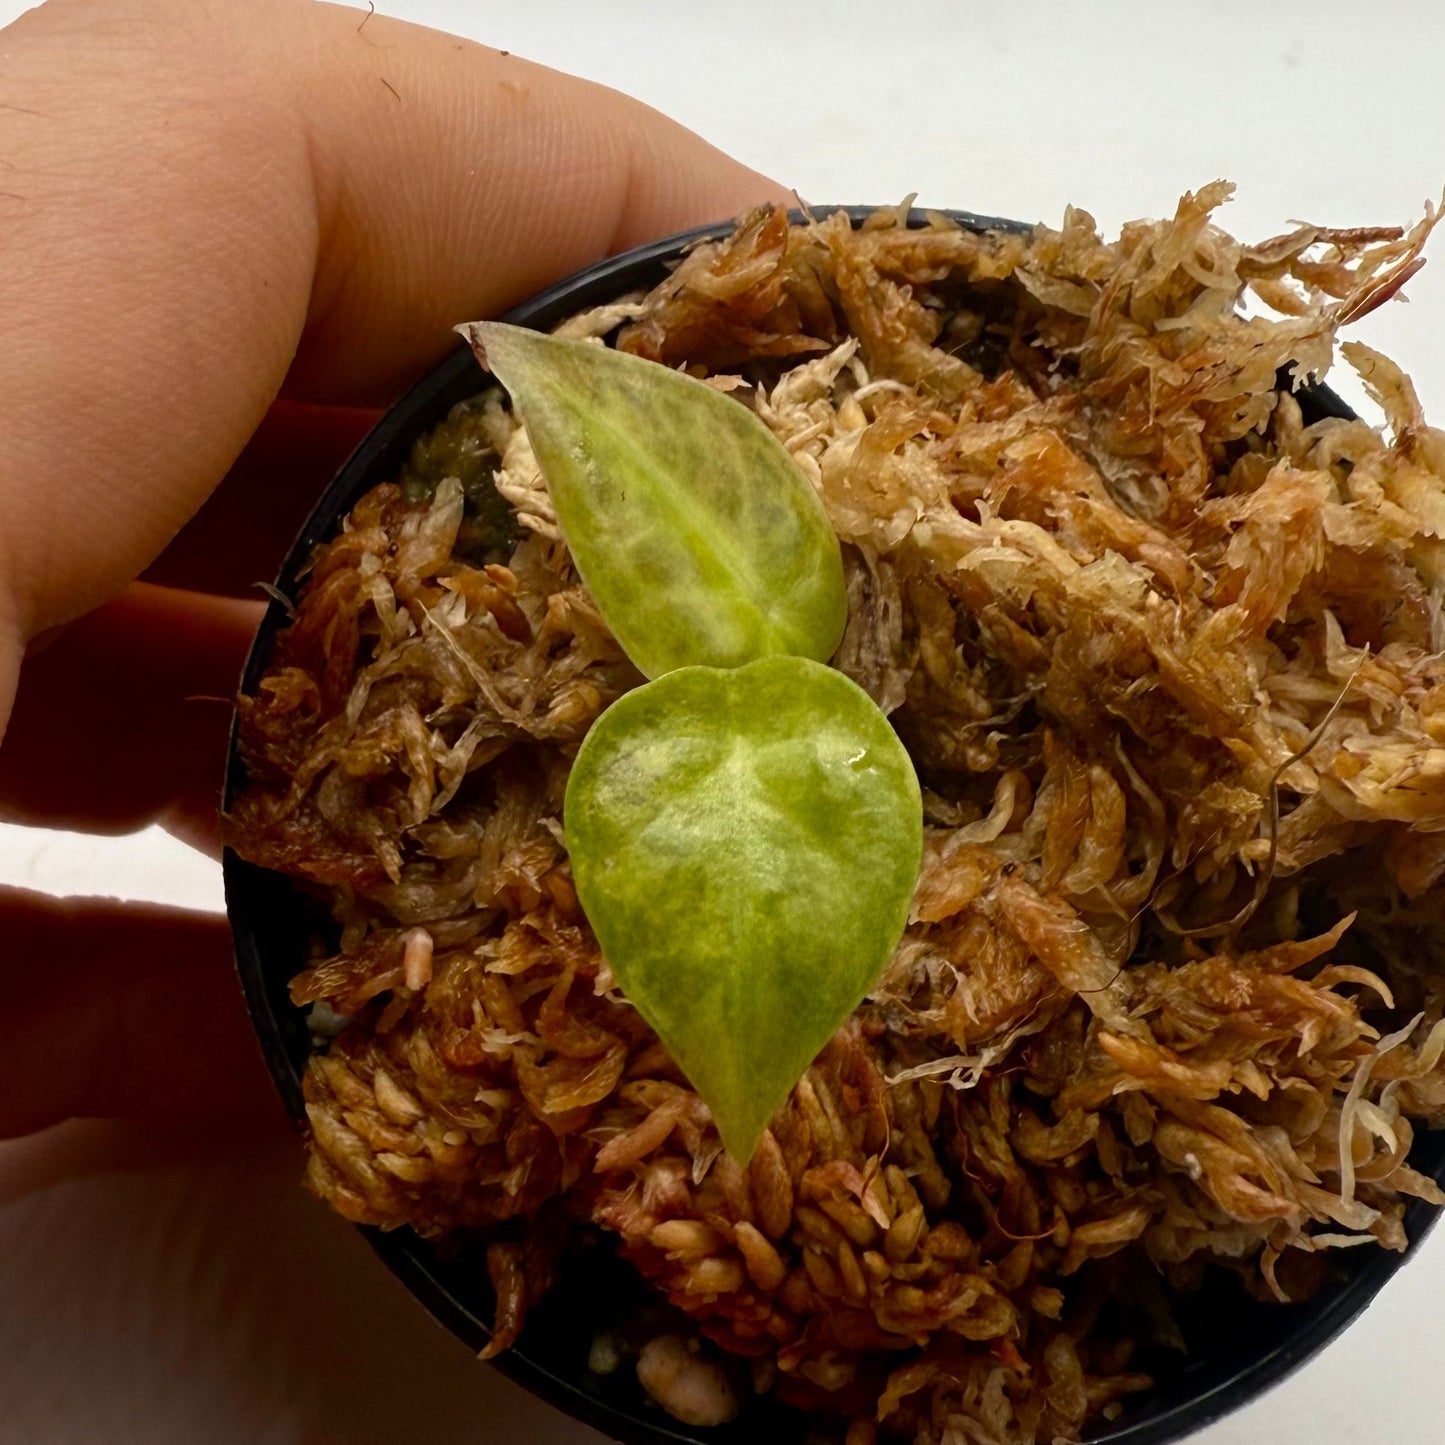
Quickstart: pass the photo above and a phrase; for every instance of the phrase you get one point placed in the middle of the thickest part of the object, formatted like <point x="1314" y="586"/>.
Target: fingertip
<point x="683" y="181"/>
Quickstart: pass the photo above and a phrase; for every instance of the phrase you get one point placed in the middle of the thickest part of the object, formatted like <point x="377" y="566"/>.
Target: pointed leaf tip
<point x="697" y="535"/>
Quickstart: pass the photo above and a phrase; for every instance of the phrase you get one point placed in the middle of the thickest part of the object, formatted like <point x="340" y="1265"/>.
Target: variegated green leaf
<point x="695" y="532"/>
<point x="745" y="844"/>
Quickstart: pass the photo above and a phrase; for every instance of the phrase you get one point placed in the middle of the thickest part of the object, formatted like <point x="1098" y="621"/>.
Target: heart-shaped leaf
<point x="745" y="844"/>
<point x="697" y="535"/>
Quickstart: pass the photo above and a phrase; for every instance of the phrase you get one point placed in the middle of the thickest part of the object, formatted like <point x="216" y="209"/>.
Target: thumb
<point x="203" y="198"/>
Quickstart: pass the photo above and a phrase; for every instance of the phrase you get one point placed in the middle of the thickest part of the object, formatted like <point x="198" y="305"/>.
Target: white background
<point x="161" y="1299"/>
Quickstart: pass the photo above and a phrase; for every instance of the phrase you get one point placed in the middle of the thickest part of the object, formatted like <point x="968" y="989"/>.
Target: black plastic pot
<point x="1237" y="1348"/>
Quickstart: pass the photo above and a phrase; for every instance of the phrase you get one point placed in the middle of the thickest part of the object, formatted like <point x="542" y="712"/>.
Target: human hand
<point x="232" y="232"/>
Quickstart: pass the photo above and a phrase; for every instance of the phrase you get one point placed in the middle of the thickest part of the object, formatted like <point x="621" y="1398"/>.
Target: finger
<point x="121" y="719"/>
<point x="123" y="1011"/>
<point x="195" y="195"/>
<point x="238" y="538"/>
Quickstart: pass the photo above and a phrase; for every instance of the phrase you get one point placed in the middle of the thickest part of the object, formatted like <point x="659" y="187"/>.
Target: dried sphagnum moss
<point x="1168" y="659"/>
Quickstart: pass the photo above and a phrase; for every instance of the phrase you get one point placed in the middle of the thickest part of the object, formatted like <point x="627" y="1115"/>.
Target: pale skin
<point x="231" y="232"/>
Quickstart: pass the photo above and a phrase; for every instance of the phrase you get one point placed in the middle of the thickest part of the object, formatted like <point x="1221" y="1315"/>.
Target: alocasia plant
<point x="745" y="830"/>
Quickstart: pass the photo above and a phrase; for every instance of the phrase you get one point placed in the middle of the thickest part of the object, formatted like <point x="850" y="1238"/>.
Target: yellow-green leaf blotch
<point x="745" y="844"/>
<point x="697" y="535"/>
